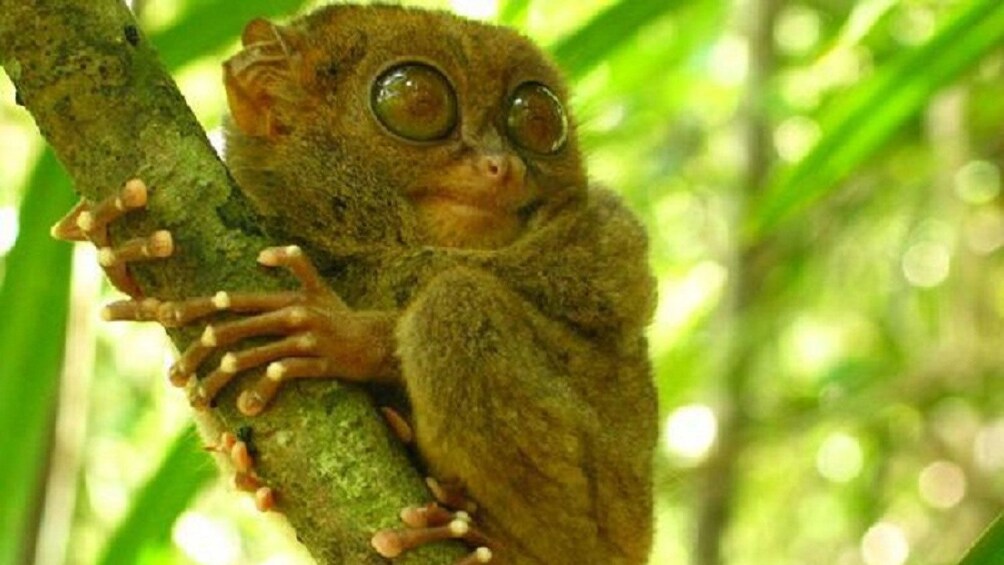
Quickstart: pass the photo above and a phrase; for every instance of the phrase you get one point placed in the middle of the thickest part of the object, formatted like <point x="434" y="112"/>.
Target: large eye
<point x="415" y="101"/>
<point x="537" y="120"/>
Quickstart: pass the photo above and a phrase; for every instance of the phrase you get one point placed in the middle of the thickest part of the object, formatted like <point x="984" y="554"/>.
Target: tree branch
<point x="103" y="101"/>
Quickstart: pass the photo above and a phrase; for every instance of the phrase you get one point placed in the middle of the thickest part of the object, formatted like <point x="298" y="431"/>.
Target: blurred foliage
<point x="872" y="394"/>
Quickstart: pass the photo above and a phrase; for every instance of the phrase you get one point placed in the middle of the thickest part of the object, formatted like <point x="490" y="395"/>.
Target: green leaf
<point x="190" y="38"/>
<point x="179" y="478"/>
<point x="606" y="32"/>
<point x="34" y="300"/>
<point x="989" y="549"/>
<point x="859" y="124"/>
<point x="513" y="12"/>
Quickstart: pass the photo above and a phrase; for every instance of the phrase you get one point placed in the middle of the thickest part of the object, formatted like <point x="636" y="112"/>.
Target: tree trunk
<point x="103" y="101"/>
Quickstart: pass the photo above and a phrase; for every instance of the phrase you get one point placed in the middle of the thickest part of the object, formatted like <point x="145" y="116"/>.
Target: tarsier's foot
<point x="434" y="521"/>
<point x="89" y="222"/>
<point x="428" y="524"/>
<point x="302" y="319"/>
<point x="447" y="518"/>
<point x="238" y="449"/>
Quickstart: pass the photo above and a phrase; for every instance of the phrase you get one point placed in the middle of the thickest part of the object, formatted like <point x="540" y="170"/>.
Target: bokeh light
<point x="942" y="484"/>
<point x="885" y="543"/>
<point x="690" y="432"/>
<point x="840" y="458"/>
<point x="926" y="264"/>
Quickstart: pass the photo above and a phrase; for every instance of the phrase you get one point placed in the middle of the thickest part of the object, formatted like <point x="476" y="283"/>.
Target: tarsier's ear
<point x="258" y="76"/>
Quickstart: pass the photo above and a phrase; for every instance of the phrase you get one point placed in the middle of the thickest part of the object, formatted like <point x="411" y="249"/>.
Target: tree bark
<point x="100" y="97"/>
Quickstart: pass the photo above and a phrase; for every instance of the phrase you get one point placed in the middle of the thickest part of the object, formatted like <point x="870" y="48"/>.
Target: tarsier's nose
<point x="495" y="166"/>
<point x="500" y="167"/>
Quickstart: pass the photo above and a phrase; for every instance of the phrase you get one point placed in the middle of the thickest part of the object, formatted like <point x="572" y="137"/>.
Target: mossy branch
<point x="111" y="112"/>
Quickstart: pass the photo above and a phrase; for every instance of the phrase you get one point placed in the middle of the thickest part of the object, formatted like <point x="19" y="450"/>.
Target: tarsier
<point x="429" y="165"/>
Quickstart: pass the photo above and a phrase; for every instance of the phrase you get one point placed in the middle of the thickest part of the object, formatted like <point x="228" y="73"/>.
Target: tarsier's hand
<point x="317" y="335"/>
<point x="89" y="222"/>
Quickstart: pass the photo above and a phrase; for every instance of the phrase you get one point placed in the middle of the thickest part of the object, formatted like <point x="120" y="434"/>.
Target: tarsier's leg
<point x="494" y="405"/>
<point x="450" y="494"/>
<point x="89" y="222"/>
<point x="447" y="518"/>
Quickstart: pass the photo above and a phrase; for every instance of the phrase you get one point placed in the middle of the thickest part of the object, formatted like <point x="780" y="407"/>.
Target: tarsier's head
<point x="465" y="123"/>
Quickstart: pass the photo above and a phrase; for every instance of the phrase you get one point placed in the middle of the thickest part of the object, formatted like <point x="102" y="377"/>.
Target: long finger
<point x="67" y="228"/>
<point x="278" y="322"/>
<point x="145" y="310"/>
<point x="293" y="346"/>
<point x="479" y="555"/>
<point x="184" y="312"/>
<point x="94" y="221"/>
<point x="157" y="246"/>
<point x="225" y="334"/>
<point x="293" y="258"/>
<point x="253" y="400"/>
<point x="183" y="370"/>
<point x="201" y="392"/>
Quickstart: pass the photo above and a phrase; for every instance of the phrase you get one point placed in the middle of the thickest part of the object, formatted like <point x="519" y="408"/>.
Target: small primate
<point x="429" y="166"/>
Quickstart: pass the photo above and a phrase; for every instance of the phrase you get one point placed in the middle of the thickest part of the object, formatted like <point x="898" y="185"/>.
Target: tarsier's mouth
<point x="477" y="199"/>
<point x="461" y="206"/>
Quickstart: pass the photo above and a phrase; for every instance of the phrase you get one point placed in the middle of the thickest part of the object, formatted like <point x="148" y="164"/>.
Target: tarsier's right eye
<point x="537" y="120"/>
<point x="415" y="101"/>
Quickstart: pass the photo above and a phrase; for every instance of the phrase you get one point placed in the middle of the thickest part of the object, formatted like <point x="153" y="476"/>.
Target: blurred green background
<point x="822" y="184"/>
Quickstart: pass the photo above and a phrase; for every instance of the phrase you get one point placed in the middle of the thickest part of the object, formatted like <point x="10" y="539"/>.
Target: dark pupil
<point x="537" y="120"/>
<point x="415" y="101"/>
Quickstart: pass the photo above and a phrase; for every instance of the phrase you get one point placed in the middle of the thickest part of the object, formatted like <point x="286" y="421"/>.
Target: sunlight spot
<point x="985" y="231"/>
<point x="810" y="347"/>
<point x="978" y="182"/>
<point x="914" y="24"/>
<point x="942" y="484"/>
<point x="884" y="544"/>
<point x="795" y="137"/>
<point x="480" y="9"/>
<point x="690" y="432"/>
<point x="8" y="228"/>
<point x="988" y="447"/>
<point x="729" y="60"/>
<point x="836" y="68"/>
<point x="682" y="300"/>
<point x="610" y="118"/>
<point x="206" y="541"/>
<point x="839" y="458"/>
<point x="926" y="264"/>
<point x="797" y="29"/>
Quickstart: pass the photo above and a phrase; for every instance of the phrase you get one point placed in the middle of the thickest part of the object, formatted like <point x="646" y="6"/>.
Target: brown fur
<point x="522" y="354"/>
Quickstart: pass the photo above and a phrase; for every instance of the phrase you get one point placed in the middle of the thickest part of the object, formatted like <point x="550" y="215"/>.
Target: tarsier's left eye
<point x="537" y="120"/>
<point x="415" y="101"/>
